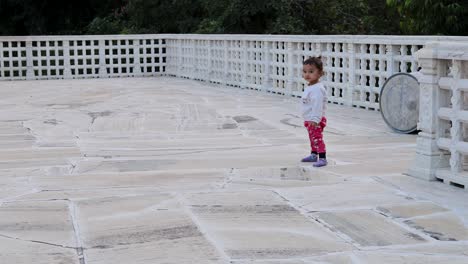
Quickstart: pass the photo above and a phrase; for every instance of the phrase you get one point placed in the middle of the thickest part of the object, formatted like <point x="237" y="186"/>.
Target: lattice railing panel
<point x="13" y="60"/>
<point x="57" y="57"/>
<point x="452" y="122"/>
<point x="442" y="145"/>
<point x="356" y="67"/>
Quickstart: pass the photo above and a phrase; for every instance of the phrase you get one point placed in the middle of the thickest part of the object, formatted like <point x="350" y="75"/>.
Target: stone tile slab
<point x="282" y="177"/>
<point x="15" y="251"/>
<point x="368" y="228"/>
<point x="412" y="209"/>
<point x="38" y="153"/>
<point x="445" y="227"/>
<point x="459" y="248"/>
<point x="48" y="222"/>
<point x="356" y="195"/>
<point x="135" y="159"/>
<point x="260" y="225"/>
<point x="385" y="258"/>
<point x="162" y="180"/>
<point x="141" y="229"/>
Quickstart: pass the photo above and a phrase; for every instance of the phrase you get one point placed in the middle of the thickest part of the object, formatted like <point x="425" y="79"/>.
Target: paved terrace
<point x="162" y="170"/>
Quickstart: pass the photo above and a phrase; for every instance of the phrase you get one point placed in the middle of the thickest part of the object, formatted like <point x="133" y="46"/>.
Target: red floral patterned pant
<point x="316" y="135"/>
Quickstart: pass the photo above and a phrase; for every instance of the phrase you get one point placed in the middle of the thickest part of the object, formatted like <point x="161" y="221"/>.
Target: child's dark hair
<point x="316" y="61"/>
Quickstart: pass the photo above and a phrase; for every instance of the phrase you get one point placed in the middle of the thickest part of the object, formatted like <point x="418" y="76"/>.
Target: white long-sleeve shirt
<point x="314" y="102"/>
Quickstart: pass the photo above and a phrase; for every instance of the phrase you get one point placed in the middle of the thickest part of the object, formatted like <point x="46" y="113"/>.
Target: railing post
<point x="209" y="73"/>
<point x="29" y="61"/>
<point x="390" y="52"/>
<point x="428" y="155"/>
<point x="180" y="61"/>
<point x="348" y="100"/>
<point x="193" y="55"/>
<point x="102" y="59"/>
<point x="290" y="79"/>
<point x="136" y="58"/>
<point x="245" y="47"/>
<point x="67" y="74"/>
<point x="456" y="129"/>
<point x="226" y="63"/>
<point x="2" y="66"/>
<point x="267" y="67"/>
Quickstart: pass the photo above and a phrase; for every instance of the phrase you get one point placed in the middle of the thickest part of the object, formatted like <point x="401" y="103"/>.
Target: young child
<point x="314" y="103"/>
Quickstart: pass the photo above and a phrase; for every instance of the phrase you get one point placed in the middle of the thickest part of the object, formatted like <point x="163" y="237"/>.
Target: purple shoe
<point x="311" y="158"/>
<point x="321" y="163"/>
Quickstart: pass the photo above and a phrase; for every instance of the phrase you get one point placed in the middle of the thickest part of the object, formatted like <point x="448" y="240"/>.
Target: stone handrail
<point x="442" y="147"/>
<point x="65" y="57"/>
<point x="356" y="67"/>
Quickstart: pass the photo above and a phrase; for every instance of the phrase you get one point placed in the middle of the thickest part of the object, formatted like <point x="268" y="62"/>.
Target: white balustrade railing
<point x="356" y="67"/>
<point x="56" y="57"/>
<point x="442" y="145"/>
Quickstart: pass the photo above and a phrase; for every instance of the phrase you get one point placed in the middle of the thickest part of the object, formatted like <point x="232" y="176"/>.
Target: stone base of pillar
<point x="424" y="166"/>
<point x="137" y="71"/>
<point x="30" y="74"/>
<point x="428" y="158"/>
<point x="102" y="71"/>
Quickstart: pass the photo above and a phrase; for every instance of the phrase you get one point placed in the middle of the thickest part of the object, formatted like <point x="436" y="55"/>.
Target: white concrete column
<point x="245" y="52"/>
<point x="414" y="64"/>
<point x="136" y="58"/>
<point x="102" y="59"/>
<point x="2" y="64"/>
<point x="29" y="61"/>
<point x="348" y="100"/>
<point x="209" y="74"/>
<point x="179" y="58"/>
<point x="456" y="129"/>
<point x="390" y="53"/>
<point x="428" y="155"/>
<point x="193" y="51"/>
<point x="403" y="52"/>
<point x="66" y="60"/>
<point x="290" y="79"/>
<point x="267" y="85"/>
<point x="226" y="61"/>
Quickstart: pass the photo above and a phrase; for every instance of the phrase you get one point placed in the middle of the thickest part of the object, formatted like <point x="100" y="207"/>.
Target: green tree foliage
<point x="248" y="17"/>
<point x="33" y="17"/>
<point x="349" y="17"/>
<point x="299" y="17"/>
<point x="445" y="17"/>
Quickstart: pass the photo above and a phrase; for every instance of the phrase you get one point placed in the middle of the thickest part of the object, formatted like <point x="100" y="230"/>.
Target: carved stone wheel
<point x="399" y="102"/>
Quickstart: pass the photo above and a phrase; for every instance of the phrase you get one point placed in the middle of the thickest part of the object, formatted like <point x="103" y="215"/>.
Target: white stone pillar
<point x="267" y="83"/>
<point x="2" y="64"/>
<point x="391" y="51"/>
<point x="348" y="100"/>
<point x="245" y="52"/>
<point x="456" y="129"/>
<point x="290" y="79"/>
<point x="29" y="61"/>
<point x="193" y="54"/>
<point x="226" y="61"/>
<point x="428" y="155"/>
<point x="403" y="53"/>
<point x="136" y="58"/>
<point x="102" y="58"/>
<point x="209" y="73"/>
<point x="179" y="59"/>
<point x="67" y="74"/>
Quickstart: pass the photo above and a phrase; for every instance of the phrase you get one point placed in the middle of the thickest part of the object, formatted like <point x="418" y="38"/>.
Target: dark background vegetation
<point x="58" y="17"/>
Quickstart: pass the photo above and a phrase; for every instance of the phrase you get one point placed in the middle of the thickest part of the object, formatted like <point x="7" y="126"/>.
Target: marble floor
<point x="174" y="171"/>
